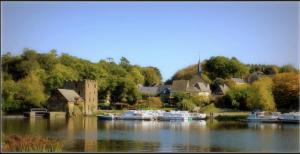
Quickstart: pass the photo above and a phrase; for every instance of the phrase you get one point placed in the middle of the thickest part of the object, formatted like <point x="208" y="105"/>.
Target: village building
<point x="83" y="93"/>
<point x="254" y="76"/>
<point x="238" y="81"/>
<point x="149" y="90"/>
<point x="194" y="86"/>
<point x="220" y="89"/>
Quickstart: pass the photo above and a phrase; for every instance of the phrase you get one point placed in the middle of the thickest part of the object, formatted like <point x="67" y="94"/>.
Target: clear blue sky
<point x="167" y="35"/>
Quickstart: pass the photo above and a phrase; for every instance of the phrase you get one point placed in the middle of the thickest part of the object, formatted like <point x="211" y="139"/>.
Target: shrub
<point x="186" y="104"/>
<point x="236" y="97"/>
<point x="150" y="103"/>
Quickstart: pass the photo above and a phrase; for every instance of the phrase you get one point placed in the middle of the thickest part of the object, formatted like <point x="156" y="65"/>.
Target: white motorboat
<point x="291" y="117"/>
<point x="106" y="117"/>
<point x="136" y="115"/>
<point x="175" y="116"/>
<point x="263" y="117"/>
<point x="198" y="116"/>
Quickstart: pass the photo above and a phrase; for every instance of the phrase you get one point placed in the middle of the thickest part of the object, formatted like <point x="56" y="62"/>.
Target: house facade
<point x="82" y="92"/>
<point x="63" y="100"/>
<point x="195" y="86"/>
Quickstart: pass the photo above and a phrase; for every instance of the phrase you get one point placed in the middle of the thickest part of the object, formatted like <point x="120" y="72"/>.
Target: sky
<point x="167" y="35"/>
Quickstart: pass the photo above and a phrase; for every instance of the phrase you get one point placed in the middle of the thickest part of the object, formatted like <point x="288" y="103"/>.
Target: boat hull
<point x="174" y="118"/>
<point x="136" y="118"/>
<point x="105" y="118"/>
<point x="289" y="121"/>
<point x="263" y="120"/>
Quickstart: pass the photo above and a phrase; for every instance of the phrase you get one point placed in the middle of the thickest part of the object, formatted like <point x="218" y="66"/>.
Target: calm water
<point x="88" y="134"/>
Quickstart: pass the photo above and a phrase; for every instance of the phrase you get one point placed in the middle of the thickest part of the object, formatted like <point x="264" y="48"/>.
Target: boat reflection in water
<point x="87" y="134"/>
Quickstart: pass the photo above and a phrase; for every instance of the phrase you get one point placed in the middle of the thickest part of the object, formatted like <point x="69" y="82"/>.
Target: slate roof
<point x="149" y="90"/>
<point x="70" y="95"/>
<point x="163" y="87"/>
<point x="202" y="87"/>
<point x="179" y="85"/>
<point x="187" y="86"/>
<point x="238" y="80"/>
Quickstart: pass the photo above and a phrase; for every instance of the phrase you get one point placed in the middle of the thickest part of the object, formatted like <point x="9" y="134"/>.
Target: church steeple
<point x="199" y="67"/>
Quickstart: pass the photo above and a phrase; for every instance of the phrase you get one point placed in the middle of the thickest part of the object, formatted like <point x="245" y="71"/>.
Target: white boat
<point x="175" y="116"/>
<point x="198" y="116"/>
<point x="136" y="115"/>
<point x="263" y="117"/>
<point x="291" y="117"/>
<point x="106" y="117"/>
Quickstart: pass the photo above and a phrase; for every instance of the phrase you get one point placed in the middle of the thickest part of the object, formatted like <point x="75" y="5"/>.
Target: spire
<point x="199" y="66"/>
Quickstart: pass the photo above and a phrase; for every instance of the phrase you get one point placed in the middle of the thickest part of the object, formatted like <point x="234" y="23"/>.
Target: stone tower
<point x="88" y="90"/>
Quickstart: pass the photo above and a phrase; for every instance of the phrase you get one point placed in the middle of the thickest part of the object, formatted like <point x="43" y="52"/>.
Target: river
<point x="91" y="135"/>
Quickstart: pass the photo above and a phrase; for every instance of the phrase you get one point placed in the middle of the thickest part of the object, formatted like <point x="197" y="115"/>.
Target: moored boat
<point x="291" y="117"/>
<point x="175" y="116"/>
<point x="136" y="115"/>
<point x="263" y="117"/>
<point x="198" y="116"/>
<point x="106" y="117"/>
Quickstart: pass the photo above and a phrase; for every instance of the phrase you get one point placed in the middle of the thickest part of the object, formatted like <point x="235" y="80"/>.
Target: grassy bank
<point x="16" y="143"/>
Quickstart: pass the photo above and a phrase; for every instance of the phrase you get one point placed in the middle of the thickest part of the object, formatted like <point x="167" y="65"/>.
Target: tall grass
<point x="16" y="143"/>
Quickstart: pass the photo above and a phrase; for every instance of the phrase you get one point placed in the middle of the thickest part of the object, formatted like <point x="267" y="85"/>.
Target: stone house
<point x="195" y="86"/>
<point x="63" y="100"/>
<point x="82" y="92"/>
<point x="187" y="86"/>
<point x="238" y="81"/>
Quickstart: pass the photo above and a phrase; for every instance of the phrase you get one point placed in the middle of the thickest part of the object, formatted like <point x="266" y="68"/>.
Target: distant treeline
<point x="30" y="77"/>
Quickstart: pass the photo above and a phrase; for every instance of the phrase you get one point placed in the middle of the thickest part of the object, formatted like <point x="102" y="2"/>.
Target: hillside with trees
<point x="29" y="78"/>
<point x="278" y="89"/>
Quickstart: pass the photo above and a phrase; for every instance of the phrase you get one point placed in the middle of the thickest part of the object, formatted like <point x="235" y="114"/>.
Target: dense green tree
<point x="151" y="76"/>
<point x="48" y="60"/>
<point x="236" y="97"/>
<point x="224" y="67"/>
<point x="31" y="91"/>
<point x="58" y="75"/>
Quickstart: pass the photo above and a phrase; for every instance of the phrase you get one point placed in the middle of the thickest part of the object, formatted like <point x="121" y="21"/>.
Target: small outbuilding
<point x="63" y="100"/>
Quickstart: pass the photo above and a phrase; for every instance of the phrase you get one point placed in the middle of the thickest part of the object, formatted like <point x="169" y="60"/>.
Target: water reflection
<point x="90" y="135"/>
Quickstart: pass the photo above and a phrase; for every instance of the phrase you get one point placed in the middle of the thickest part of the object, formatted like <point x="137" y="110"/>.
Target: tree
<point x="136" y="75"/>
<point x="151" y="76"/>
<point x="10" y="89"/>
<point x="58" y="75"/>
<point x="186" y="104"/>
<point x="124" y="62"/>
<point x="260" y="95"/>
<point x="224" y="67"/>
<point x="271" y="70"/>
<point x="48" y="60"/>
<point x="31" y="91"/>
<point x="236" y="97"/>
<point x="287" y="68"/>
<point x="286" y="90"/>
